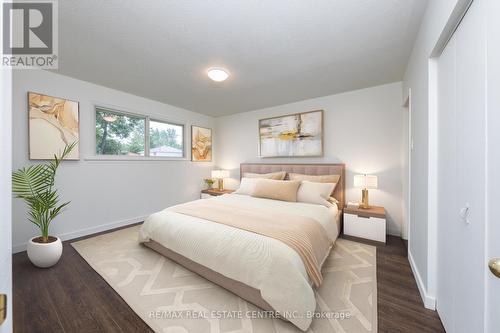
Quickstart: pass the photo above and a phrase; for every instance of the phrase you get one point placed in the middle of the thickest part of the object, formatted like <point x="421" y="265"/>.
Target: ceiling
<point x="277" y="51"/>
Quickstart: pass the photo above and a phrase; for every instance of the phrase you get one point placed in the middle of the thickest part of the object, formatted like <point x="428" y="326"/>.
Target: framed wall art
<point x="294" y="135"/>
<point x="53" y="124"/>
<point x="201" y="144"/>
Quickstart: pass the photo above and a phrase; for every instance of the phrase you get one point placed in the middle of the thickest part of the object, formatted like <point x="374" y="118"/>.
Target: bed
<point x="259" y="269"/>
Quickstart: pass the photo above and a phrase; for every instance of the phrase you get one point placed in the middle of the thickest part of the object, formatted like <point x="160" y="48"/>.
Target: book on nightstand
<point x="352" y="204"/>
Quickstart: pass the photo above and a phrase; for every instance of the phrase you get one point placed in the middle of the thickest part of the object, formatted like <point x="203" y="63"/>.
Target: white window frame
<point x="147" y="119"/>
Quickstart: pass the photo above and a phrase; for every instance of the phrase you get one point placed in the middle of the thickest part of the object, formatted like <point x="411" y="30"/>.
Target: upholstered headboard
<point x="306" y="169"/>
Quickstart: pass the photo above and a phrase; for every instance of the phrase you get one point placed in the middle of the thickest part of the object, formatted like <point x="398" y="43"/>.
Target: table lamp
<point x="365" y="182"/>
<point x="220" y="175"/>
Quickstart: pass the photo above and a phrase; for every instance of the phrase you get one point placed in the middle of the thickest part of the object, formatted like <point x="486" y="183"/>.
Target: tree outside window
<point x="124" y="134"/>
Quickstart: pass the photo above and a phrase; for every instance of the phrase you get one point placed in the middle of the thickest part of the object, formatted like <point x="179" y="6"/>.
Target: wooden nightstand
<point x="365" y="223"/>
<point x="213" y="192"/>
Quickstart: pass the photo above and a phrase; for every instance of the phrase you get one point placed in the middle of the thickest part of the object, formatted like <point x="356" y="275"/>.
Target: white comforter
<point x="258" y="261"/>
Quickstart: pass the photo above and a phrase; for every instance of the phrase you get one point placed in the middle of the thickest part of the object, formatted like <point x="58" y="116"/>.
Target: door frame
<point x="405" y="230"/>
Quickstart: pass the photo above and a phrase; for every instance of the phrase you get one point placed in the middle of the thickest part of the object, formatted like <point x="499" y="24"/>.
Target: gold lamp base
<point x="364" y="199"/>
<point x="221" y="184"/>
<point x="3" y="308"/>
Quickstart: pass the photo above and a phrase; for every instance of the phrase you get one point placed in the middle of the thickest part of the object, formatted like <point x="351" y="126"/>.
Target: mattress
<point x="257" y="268"/>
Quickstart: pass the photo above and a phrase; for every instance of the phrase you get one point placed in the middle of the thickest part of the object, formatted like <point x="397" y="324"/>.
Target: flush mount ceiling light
<point x="217" y="74"/>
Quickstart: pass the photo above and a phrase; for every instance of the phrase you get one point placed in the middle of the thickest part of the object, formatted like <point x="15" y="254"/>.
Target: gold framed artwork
<point x="293" y="135"/>
<point x="53" y="124"/>
<point x="201" y="144"/>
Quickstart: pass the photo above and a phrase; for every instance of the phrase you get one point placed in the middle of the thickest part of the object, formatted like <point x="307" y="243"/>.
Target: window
<point x="124" y="134"/>
<point x="165" y="139"/>
<point x="119" y="134"/>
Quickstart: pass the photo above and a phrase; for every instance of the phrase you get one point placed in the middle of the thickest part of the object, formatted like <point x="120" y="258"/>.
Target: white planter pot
<point x="44" y="254"/>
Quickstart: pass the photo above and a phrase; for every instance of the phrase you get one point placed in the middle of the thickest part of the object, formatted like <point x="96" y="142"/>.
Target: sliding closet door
<point x="493" y="175"/>
<point x="447" y="174"/>
<point x="471" y="130"/>
<point x="462" y="172"/>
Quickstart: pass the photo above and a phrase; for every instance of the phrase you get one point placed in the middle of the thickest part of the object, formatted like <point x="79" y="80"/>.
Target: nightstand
<point x="213" y="192"/>
<point x="365" y="223"/>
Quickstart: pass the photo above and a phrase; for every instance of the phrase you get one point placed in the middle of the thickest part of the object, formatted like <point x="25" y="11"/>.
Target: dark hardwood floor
<point x="400" y="307"/>
<point x="72" y="297"/>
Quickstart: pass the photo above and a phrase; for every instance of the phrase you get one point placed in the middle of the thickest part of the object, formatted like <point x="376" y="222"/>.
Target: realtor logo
<point x="29" y="34"/>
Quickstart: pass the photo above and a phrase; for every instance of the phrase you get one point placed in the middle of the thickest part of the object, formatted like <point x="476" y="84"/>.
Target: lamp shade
<point x="359" y="181"/>
<point x="219" y="174"/>
<point x="371" y="181"/>
<point x="365" y="181"/>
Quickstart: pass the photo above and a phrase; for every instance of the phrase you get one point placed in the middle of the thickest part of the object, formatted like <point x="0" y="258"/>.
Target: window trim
<point x="147" y="118"/>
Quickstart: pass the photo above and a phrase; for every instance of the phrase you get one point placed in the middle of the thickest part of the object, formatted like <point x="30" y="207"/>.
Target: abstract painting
<point x="53" y="124"/>
<point x="295" y="135"/>
<point x="201" y="144"/>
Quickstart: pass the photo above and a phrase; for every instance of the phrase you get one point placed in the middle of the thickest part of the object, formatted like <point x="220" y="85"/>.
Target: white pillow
<point x="315" y="193"/>
<point x="247" y="185"/>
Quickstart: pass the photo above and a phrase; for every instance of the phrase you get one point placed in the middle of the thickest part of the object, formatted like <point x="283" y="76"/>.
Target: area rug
<point x="171" y="299"/>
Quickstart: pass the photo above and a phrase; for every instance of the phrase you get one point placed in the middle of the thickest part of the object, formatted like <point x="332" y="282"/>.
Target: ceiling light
<point x="218" y="74"/>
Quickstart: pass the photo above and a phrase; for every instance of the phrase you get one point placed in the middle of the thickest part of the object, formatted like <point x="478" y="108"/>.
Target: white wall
<point x="362" y="128"/>
<point x="6" y="194"/>
<point x="419" y="78"/>
<point x="103" y="194"/>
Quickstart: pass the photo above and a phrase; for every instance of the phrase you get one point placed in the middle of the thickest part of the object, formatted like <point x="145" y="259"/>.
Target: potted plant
<point x="210" y="182"/>
<point x="35" y="184"/>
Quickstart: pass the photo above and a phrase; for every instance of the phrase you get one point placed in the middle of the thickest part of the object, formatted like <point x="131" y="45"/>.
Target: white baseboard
<point x="429" y="301"/>
<point x="87" y="231"/>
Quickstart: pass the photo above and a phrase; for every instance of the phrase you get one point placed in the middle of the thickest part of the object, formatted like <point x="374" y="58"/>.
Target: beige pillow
<point x="315" y="193"/>
<point x="285" y="190"/>
<point x="316" y="179"/>
<point x="333" y="201"/>
<point x="280" y="175"/>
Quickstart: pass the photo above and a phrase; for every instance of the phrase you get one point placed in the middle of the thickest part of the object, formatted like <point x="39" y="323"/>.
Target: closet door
<point x="471" y="181"/>
<point x="493" y="167"/>
<point x="462" y="175"/>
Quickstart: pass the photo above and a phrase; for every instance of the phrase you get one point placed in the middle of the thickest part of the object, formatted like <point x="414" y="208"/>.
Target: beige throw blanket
<point x="304" y="235"/>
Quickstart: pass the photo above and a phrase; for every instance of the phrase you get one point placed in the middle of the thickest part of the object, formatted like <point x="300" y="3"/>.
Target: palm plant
<point x="35" y="184"/>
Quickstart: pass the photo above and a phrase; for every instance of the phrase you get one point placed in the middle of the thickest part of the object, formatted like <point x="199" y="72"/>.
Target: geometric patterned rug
<point x="171" y="299"/>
